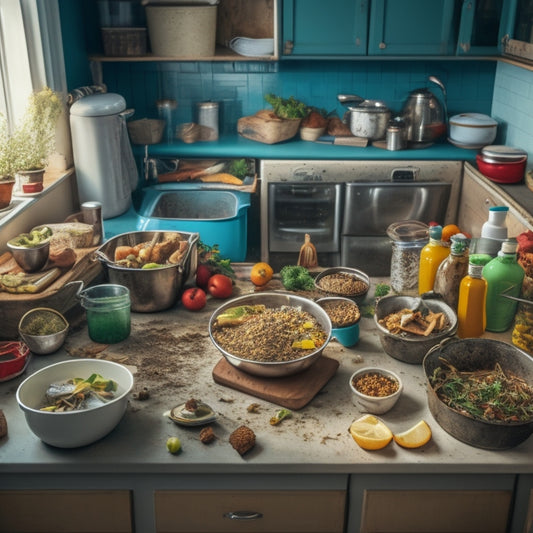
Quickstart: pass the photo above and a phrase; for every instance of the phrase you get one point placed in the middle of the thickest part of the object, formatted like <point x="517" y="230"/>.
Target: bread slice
<point x="71" y="235"/>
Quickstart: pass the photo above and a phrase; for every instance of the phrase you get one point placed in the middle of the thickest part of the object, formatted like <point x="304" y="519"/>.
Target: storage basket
<point x="146" y="130"/>
<point x="124" y="41"/>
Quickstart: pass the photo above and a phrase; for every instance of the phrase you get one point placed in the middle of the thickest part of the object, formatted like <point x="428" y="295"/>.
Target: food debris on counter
<point x="242" y="439"/>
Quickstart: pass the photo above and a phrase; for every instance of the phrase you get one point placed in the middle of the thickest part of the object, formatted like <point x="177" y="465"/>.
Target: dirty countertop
<point x="173" y="357"/>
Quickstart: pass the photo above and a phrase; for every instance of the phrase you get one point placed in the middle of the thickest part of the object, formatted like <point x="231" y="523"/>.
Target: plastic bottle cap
<point x="499" y="208"/>
<point x="509" y="247"/>
<point x="435" y="232"/>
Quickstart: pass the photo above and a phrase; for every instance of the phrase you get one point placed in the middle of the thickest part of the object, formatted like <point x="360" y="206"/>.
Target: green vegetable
<point x="239" y="168"/>
<point x="210" y="256"/>
<point x="279" y="416"/>
<point x="148" y="266"/>
<point x="296" y="278"/>
<point x="34" y="238"/>
<point x="382" y="289"/>
<point x="287" y="107"/>
<point x="173" y="445"/>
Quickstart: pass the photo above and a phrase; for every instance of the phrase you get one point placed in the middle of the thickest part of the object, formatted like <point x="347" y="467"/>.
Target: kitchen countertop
<point x="314" y="441"/>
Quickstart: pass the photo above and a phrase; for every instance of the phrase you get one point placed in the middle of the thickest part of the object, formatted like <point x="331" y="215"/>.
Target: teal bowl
<point x="346" y="335"/>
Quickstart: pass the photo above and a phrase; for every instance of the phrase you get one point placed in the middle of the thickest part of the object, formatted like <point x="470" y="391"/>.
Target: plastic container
<point x="108" y="310"/>
<point x="503" y="275"/>
<point x="431" y="256"/>
<point x="471" y="307"/>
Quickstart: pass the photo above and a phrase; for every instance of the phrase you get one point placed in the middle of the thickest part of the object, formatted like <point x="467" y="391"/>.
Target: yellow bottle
<point x="471" y="312"/>
<point x="431" y="256"/>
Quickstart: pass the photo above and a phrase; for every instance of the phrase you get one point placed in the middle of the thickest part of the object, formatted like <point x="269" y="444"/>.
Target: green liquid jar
<point x="108" y="310"/>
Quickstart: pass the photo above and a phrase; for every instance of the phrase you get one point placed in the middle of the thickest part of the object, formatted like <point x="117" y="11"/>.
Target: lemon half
<point x="414" y="437"/>
<point x="370" y="433"/>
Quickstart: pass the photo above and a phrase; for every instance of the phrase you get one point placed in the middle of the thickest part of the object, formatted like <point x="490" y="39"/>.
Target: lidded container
<point x="408" y="238"/>
<point x="493" y="232"/>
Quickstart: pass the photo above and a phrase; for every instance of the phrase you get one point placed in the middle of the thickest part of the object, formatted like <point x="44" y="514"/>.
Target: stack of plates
<point x="252" y="47"/>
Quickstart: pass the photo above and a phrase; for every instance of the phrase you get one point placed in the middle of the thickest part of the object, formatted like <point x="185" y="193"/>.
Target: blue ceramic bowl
<point x="346" y="335"/>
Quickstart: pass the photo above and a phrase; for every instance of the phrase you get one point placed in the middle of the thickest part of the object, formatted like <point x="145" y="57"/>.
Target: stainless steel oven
<point x="346" y="207"/>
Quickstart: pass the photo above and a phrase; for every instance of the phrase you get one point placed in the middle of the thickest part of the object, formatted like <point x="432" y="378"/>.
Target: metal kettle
<point x="424" y="115"/>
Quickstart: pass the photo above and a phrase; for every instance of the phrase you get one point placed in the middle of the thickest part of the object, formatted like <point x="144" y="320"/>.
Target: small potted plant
<point x="33" y="140"/>
<point x="7" y="169"/>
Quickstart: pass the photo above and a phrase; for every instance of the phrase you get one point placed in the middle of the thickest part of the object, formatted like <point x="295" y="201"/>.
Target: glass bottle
<point x="471" y="314"/>
<point x="452" y="270"/>
<point x="432" y="255"/>
<point x="503" y="274"/>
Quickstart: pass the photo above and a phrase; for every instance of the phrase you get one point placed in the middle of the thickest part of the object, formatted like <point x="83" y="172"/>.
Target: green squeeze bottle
<point x="503" y="274"/>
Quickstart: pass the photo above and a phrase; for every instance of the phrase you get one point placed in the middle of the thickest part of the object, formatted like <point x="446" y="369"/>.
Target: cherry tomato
<point x="194" y="299"/>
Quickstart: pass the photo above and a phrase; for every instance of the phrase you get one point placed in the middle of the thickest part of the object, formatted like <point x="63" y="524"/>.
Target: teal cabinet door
<point x="412" y="27"/>
<point x="318" y="28"/>
<point x="484" y="25"/>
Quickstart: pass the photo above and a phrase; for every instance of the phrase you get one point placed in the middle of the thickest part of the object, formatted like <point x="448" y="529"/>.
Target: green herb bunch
<point x="287" y="107"/>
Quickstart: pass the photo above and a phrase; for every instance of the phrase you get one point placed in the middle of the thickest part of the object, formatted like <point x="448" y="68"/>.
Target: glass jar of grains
<point x="408" y="238"/>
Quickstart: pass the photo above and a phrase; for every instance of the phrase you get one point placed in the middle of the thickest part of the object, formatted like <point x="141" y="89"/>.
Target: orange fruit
<point x="261" y="274"/>
<point x="370" y="433"/>
<point x="448" y="231"/>
<point x="414" y="437"/>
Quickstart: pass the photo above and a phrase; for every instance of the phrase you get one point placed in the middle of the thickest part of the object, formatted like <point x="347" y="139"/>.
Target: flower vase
<point x="30" y="181"/>
<point x="6" y="190"/>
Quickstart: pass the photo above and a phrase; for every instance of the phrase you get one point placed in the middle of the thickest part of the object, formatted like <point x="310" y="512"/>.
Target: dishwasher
<point x="346" y="207"/>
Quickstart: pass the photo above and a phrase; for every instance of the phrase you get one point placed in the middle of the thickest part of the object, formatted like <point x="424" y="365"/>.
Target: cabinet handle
<point x="382" y="46"/>
<point x="243" y="515"/>
<point x="289" y="45"/>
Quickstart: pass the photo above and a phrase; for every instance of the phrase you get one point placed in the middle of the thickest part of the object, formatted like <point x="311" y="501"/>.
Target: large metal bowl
<point x="471" y="355"/>
<point x="411" y="348"/>
<point x="154" y="289"/>
<point x="275" y="368"/>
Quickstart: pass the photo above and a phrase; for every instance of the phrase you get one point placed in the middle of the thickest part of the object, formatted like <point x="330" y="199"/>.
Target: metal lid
<point x="98" y="105"/>
<point x="503" y="153"/>
<point x="408" y="231"/>
<point x="473" y="119"/>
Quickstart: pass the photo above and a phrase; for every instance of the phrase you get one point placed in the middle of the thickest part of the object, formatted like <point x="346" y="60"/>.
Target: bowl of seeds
<point x="43" y="329"/>
<point x="375" y="390"/>
<point x="343" y="281"/>
<point x="344" y="315"/>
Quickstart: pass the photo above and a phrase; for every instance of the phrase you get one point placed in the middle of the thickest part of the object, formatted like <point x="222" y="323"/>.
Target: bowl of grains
<point x="344" y="315"/>
<point x="375" y="390"/>
<point x="409" y="326"/>
<point x="270" y="334"/>
<point x="343" y="281"/>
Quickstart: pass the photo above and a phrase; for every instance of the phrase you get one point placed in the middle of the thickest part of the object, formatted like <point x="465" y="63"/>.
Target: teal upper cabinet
<point x="484" y="25"/>
<point x="318" y="28"/>
<point x="412" y="27"/>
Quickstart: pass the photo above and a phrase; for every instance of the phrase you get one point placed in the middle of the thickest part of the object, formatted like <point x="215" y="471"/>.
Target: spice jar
<point x="108" y="309"/>
<point x="408" y="238"/>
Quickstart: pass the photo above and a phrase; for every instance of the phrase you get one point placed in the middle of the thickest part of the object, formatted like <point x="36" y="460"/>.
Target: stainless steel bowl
<point x="43" y="344"/>
<point x="276" y="368"/>
<point x="153" y="289"/>
<point x="359" y="274"/>
<point x="30" y="258"/>
<point x="411" y="349"/>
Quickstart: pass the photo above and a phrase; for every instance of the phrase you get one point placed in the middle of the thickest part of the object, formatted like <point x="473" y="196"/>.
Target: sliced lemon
<point x="370" y="433"/>
<point x="414" y="437"/>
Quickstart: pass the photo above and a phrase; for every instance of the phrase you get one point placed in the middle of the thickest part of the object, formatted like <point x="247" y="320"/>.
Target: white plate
<point x="252" y="47"/>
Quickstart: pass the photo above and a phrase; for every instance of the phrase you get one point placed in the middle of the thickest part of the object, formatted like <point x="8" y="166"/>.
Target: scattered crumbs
<point x="253" y="408"/>
<point x="357" y="358"/>
<point x="326" y="438"/>
<point x="226" y="400"/>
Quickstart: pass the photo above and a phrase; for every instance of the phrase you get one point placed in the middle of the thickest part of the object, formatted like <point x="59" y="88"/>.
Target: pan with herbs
<point x="480" y="391"/>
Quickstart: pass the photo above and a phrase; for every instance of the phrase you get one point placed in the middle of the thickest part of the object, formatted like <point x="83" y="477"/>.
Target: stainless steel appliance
<point x="346" y="207"/>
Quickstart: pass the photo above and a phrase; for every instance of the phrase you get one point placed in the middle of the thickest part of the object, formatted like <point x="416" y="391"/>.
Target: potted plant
<point x="7" y="169"/>
<point x="33" y="140"/>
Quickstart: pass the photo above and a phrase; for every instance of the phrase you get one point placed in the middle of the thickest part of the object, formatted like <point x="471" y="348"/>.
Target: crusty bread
<point x="71" y="235"/>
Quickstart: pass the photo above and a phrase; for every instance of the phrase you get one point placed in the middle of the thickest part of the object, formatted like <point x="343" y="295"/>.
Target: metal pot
<point x="425" y="115"/>
<point x="366" y="118"/>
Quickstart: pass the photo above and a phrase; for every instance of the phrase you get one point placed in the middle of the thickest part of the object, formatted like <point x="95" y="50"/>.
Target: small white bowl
<point x="376" y="405"/>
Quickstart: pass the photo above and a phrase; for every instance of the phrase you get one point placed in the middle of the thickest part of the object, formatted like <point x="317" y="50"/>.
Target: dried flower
<point x="7" y="168"/>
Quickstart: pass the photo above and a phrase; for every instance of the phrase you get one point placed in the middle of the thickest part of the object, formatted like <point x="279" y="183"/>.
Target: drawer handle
<point x="243" y="515"/>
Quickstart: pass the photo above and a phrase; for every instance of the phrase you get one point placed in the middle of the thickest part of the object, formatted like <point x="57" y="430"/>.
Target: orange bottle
<point x="431" y="256"/>
<point x="471" y="312"/>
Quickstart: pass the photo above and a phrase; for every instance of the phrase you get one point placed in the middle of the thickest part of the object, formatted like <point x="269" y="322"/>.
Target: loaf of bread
<point x="71" y="235"/>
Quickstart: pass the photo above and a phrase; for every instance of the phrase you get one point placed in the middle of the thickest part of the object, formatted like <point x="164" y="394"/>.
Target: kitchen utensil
<point x="396" y="134"/>
<point x="425" y="116"/>
<point x="80" y="427"/>
<point x="274" y="300"/>
<point x="30" y="258"/>
<point x="42" y="344"/>
<point x="376" y="405"/>
<point x="14" y="356"/>
<point x="407" y="347"/>
<point x="366" y="118"/>
<point x="471" y="355"/>
<point x="152" y="289"/>
<point x="347" y="335"/>
<point x="500" y="171"/>
<point x="353" y="272"/>
<point x="473" y="130"/>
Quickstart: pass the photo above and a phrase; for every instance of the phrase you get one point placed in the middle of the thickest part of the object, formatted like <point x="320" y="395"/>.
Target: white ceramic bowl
<point x="472" y="129"/>
<point x="74" y="428"/>
<point x="375" y="405"/>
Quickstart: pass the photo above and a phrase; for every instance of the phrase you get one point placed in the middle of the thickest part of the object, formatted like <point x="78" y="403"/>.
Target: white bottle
<point x="493" y="232"/>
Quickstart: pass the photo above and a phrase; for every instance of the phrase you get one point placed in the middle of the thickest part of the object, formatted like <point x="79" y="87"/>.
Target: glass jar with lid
<point x="408" y="238"/>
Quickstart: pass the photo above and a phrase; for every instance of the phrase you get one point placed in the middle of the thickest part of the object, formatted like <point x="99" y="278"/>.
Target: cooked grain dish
<point x="342" y="283"/>
<point x="342" y="313"/>
<point x="272" y="335"/>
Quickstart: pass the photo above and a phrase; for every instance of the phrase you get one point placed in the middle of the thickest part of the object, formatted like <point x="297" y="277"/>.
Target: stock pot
<point x="366" y="118"/>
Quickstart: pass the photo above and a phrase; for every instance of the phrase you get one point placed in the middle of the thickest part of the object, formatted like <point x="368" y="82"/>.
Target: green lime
<point x="173" y="445"/>
<point x="151" y="265"/>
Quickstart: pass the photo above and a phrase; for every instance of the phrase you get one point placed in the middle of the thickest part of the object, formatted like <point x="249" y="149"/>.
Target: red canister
<point x="502" y="164"/>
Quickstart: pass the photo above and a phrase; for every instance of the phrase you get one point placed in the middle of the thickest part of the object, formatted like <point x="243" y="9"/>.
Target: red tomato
<point x="202" y="276"/>
<point x="220" y="286"/>
<point x="194" y="299"/>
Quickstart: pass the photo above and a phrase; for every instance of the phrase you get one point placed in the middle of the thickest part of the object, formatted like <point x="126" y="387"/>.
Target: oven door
<point x="295" y="209"/>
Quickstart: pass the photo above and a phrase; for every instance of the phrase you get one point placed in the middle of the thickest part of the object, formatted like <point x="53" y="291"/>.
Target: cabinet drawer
<point x="269" y="511"/>
<point x="62" y="511"/>
<point x="438" y="511"/>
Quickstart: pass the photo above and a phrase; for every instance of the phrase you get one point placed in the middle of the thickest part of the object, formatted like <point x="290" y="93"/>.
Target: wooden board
<point x="292" y="392"/>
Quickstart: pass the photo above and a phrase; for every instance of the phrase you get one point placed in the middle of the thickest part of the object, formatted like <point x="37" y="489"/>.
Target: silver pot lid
<point x="408" y="231"/>
<point x="503" y="153"/>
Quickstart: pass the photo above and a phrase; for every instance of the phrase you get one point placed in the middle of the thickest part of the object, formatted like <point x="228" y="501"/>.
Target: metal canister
<point x="396" y="135"/>
<point x="91" y="213"/>
<point x="208" y="118"/>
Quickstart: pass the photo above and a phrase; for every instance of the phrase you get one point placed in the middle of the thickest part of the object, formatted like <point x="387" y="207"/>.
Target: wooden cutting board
<point x="292" y="392"/>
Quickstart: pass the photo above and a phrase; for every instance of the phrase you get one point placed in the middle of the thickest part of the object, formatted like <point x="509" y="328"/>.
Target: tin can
<point x="208" y="118"/>
<point x="91" y="213"/>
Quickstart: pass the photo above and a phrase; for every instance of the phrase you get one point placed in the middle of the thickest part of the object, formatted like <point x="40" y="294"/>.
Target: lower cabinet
<point x="230" y="511"/>
<point x="65" y="511"/>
